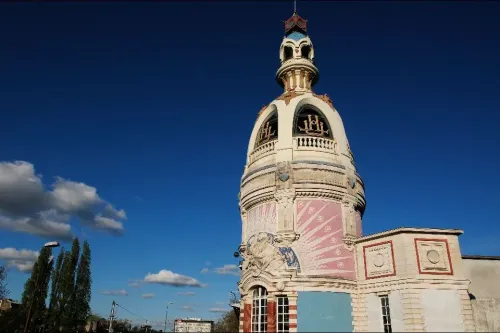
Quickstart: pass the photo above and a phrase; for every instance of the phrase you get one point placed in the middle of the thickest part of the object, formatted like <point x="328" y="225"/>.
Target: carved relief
<point x="433" y="256"/>
<point x="288" y="96"/>
<point x="379" y="260"/>
<point x="349" y="219"/>
<point x="325" y="99"/>
<point x="319" y="176"/>
<point x="263" y="255"/>
<point x="257" y="183"/>
<point x="284" y="175"/>
<point x="285" y="209"/>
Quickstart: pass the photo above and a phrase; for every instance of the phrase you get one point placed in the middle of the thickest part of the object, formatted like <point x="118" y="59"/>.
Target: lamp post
<point x="28" y="316"/>
<point x="166" y="315"/>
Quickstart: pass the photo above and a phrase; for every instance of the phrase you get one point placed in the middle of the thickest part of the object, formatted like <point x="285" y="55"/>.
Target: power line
<point x="134" y="314"/>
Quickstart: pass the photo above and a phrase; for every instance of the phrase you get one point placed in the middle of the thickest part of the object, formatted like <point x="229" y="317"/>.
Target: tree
<point x="4" y="292"/>
<point x="67" y="287"/>
<point x="228" y="322"/>
<point x="37" y="286"/>
<point x="53" y="315"/>
<point x="81" y="301"/>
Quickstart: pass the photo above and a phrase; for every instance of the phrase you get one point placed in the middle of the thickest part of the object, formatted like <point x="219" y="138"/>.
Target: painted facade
<point x="306" y="265"/>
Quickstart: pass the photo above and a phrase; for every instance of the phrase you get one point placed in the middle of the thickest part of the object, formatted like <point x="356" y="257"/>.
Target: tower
<point x="306" y="265"/>
<point x="301" y="198"/>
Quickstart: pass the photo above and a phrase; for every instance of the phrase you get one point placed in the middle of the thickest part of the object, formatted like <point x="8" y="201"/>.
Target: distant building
<point x="8" y="304"/>
<point x="193" y="325"/>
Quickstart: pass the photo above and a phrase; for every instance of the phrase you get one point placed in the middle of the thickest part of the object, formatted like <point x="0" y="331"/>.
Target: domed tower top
<point x="297" y="71"/>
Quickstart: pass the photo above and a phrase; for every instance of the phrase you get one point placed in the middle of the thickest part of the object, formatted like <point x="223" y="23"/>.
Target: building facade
<point x="306" y="265"/>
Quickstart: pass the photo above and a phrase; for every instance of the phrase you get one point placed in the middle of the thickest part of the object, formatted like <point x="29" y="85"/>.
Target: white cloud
<point x="134" y="284"/>
<point x="121" y="292"/>
<point x="26" y="206"/>
<point x="219" y="303"/>
<point x="150" y="295"/>
<point x="187" y="293"/>
<point x="21" y="260"/>
<point x="186" y="308"/>
<point x="218" y="310"/>
<point x="204" y="270"/>
<point x="170" y="278"/>
<point x="228" y="270"/>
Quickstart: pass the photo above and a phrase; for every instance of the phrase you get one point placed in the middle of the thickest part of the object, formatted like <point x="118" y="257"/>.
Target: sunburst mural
<point x="320" y="248"/>
<point x="261" y="219"/>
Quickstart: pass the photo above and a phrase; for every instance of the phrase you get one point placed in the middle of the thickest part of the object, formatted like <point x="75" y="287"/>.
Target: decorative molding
<point x="379" y="260"/>
<point x="262" y="110"/>
<point x="319" y="176"/>
<point x="257" y="183"/>
<point x="288" y="96"/>
<point x="433" y="256"/>
<point x="285" y="209"/>
<point x="325" y="99"/>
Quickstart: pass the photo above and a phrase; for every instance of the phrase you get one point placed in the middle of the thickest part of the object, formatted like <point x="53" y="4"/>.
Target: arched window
<point x="287" y="53"/>
<point x="305" y="51"/>
<point x="309" y="121"/>
<point x="268" y="131"/>
<point x="259" y="310"/>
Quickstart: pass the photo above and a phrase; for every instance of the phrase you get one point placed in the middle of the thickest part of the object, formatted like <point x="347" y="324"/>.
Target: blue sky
<point x="152" y="104"/>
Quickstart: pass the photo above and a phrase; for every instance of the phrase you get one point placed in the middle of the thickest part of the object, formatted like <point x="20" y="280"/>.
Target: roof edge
<point x="407" y="230"/>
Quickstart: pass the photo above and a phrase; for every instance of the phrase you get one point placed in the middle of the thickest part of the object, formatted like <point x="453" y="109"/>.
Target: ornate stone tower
<point x="301" y="199"/>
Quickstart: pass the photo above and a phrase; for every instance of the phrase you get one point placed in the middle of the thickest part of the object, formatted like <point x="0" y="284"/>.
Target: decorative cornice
<point x="288" y="96"/>
<point x="405" y="230"/>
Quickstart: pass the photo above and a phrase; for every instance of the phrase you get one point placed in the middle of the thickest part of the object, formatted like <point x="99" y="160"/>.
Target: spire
<point x="297" y="71"/>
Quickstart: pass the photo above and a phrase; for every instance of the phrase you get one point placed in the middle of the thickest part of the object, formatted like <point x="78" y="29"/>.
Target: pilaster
<point x="359" y="314"/>
<point x="467" y="312"/>
<point x="412" y="310"/>
<point x="292" y="312"/>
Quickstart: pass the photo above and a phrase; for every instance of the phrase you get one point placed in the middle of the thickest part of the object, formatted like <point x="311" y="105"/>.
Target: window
<point x="306" y="51"/>
<point x="268" y="130"/>
<point x="283" y="317"/>
<point x="309" y="121"/>
<point x="288" y="53"/>
<point x="259" y="310"/>
<point x="386" y="313"/>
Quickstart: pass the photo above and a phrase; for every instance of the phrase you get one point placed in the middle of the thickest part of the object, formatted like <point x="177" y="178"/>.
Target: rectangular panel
<point x="442" y="311"/>
<point x="320" y="248"/>
<point x="433" y="256"/>
<point x="379" y="260"/>
<point x="324" y="312"/>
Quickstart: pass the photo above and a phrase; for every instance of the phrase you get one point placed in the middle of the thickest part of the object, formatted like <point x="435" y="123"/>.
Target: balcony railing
<point x="315" y="143"/>
<point x="261" y="151"/>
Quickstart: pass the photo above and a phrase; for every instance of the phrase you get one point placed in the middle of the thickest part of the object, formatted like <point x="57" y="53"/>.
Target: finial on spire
<point x="294" y="6"/>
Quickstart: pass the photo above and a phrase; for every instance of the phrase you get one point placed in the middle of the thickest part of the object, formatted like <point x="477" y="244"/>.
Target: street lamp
<point x="166" y="315"/>
<point x="28" y="316"/>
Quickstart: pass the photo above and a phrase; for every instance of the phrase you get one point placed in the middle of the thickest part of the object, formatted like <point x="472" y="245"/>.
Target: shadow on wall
<point x="324" y="312"/>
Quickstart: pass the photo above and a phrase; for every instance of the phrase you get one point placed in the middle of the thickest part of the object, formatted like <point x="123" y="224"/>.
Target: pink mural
<point x="320" y="248"/>
<point x="261" y="218"/>
<point x="359" y="230"/>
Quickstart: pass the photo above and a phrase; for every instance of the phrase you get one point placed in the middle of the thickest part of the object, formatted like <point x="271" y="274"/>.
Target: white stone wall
<point x="442" y="311"/>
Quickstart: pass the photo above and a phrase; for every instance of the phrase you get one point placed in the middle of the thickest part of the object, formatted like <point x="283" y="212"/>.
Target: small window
<point x="306" y="51"/>
<point x="311" y="122"/>
<point x="283" y="320"/>
<point x="386" y="313"/>
<point x="287" y="52"/>
<point x="259" y="310"/>
<point x="268" y="130"/>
